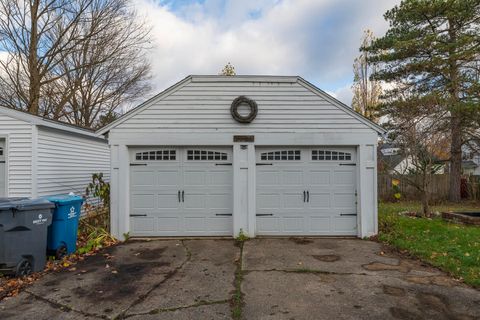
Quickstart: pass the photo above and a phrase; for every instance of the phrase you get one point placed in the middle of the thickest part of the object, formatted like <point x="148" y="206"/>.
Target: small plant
<point x="126" y="236"/>
<point x="99" y="188"/>
<point x="93" y="238"/>
<point x="242" y="236"/>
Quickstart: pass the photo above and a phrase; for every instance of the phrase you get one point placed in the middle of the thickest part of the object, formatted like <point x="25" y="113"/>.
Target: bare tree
<point x="72" y="60"/>
<point x="422" y="146"/>
<point x="366" y="91"/>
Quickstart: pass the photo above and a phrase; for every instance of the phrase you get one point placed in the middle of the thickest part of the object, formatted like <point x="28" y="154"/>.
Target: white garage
<point x="259" y="155"/>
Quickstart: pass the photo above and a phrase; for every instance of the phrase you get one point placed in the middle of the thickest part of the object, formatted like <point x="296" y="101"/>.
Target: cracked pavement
<point x="279" y="278"/>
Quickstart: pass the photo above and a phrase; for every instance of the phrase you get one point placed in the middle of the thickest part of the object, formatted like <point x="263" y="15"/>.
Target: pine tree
<point x="430" y="54"/>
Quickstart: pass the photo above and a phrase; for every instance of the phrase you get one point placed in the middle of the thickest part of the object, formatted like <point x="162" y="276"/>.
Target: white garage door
<point x="306" y="191"/>
<point x="181" y="192"/>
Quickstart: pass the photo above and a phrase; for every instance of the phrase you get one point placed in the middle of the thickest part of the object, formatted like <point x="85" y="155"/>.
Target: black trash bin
<point x="23" y="234"/>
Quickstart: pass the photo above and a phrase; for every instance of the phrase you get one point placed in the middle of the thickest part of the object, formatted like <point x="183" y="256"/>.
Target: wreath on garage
<point x="246" y="118"/>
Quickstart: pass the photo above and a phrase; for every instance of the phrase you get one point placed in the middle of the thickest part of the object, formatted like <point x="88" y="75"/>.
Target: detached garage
<point x="262" y="155"/>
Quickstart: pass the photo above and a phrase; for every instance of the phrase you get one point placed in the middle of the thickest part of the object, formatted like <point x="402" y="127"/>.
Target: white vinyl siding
<point x="205" y="106"/>
<point x="66" y="161"/>
<point x="18" y="135"/>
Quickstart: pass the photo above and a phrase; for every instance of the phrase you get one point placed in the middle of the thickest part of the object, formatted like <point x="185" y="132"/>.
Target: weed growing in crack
<point x="237" y="298"/>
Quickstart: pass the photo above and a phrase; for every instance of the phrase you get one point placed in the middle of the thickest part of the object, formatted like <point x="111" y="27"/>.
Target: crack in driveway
<point x="163" y="310"/>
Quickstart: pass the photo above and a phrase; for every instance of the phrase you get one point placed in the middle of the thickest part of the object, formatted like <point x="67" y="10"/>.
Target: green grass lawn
<point x="452" y="247"/>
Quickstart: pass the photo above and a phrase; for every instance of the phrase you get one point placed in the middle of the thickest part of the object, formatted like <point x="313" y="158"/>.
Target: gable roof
<point x="241" y="78"/>
<point x="48" y="123"/>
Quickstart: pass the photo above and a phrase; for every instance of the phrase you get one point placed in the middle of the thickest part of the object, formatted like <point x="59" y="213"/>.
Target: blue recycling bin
<point x="62" y="233"/>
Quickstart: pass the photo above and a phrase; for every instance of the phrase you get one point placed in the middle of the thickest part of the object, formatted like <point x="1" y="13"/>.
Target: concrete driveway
<point x="263" y="279"/>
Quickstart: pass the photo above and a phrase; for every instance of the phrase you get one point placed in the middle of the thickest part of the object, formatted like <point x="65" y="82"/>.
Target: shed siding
<point x="19" y="155"/>
<point x="66" y="162"/>
<point x="205" y="106"/>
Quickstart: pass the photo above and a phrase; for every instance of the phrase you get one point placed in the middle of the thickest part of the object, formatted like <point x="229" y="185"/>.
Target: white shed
<point x="40" y="157"/>
<point x="262" y="155"/>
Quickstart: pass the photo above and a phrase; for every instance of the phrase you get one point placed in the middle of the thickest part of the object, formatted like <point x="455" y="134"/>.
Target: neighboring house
<point x="40" y="157"/>
<point x="470" y="168"/>
<point x="290" y="161"/>
<point x="391" y="161"/>
<point x="471" y="159"/>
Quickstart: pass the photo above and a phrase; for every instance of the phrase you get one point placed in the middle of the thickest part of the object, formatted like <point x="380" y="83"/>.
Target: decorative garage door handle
<point x="348" y="214"/>
<point x="223" y="164"/>
<point x="138" y="215"/>
<point x="264" y="164"/>
<point x="179" y="196"/>
<point x="348" y="164"/>
<point x="304" y="195"/>
<point x="308" y="196"/>
<point x="183" y="195"/>
<point x="264" y="214"/>
<point x="223" y="214"/>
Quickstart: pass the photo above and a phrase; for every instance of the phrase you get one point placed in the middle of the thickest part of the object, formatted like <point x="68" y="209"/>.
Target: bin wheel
<point x="24" y="268"/>
<point x="61" y="252"/>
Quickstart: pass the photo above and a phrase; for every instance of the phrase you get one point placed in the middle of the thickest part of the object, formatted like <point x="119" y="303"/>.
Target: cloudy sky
<point x="316" y="39"/>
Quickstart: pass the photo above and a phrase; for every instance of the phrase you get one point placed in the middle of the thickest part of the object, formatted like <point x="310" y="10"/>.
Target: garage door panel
<point x="219" y="178"/>
<point x="319" y="225"/>
<point x="319" y="177"/>
<point x="221" y="224"/>
<point x="268" y="201"/>
<point x="194" y="201"/>
<point x="344" y="178"/>
<point x="167" y="201"/>
<point x="168" y="178"/>
<point x="219" y="201"/>
<point x="327" y="176"/>
<point x="347" y="225"/>
<point x="195" y="224"/>
<point x="205" y="191"/>
<point x="293" y="201"/>
<point x="320" y="200"/>
<point x="142" y="224"/>
<point x="143" y="201"/>
<point x="344" y="200"/>
<point x="143" y="178"/>
<point x="292" y="178"/>
<point x="168" y="224"/>
<point x="194" y="178"/>
<point x="267" y="225"/>
<point x="268" y="178"/>
<point x="293" y="224"/>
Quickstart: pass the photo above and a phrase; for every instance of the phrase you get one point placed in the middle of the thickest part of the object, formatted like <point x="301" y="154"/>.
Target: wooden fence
<point x="438" y="188"/>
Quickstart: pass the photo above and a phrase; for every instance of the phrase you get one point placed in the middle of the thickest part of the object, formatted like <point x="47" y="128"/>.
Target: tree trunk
<point x="34" y="73"/>
<point x="455" y="160"/>
<point x="426" y="193"/>
<point x="456" y="119"/>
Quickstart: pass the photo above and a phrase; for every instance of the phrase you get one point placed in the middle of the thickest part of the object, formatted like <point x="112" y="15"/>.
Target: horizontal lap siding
<point x="205" y="106"/>
<point x="66" y="162"/>
<point x="19" y="155"/>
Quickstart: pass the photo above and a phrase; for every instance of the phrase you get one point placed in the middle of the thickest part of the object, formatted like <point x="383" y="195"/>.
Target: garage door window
<point x="328" y="155"/>
<point x="202" y="155"/>
<point x="285" y="155"/>
<point x="156" y="155"/>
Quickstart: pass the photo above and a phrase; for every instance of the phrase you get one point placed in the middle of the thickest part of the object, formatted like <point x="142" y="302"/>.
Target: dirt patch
<point x="327" y="257"/>
<point x="399" y="313"/>
<point x="434" y="302"/>
<point x="300" y="240"/>
<point x="394" y="291"/>
<point x="379" y="266"/>
<point x="435" y="280"/>
<point x="150" y="254"/>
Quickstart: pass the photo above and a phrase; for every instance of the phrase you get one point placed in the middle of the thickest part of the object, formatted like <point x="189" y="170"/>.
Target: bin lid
<point x="64" y="199"/>
<point x="24" y="204"/>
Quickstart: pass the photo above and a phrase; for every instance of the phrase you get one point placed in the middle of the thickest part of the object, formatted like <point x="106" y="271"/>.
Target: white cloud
<point x="315" y="39"/>
<point x="343" y="94"/>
